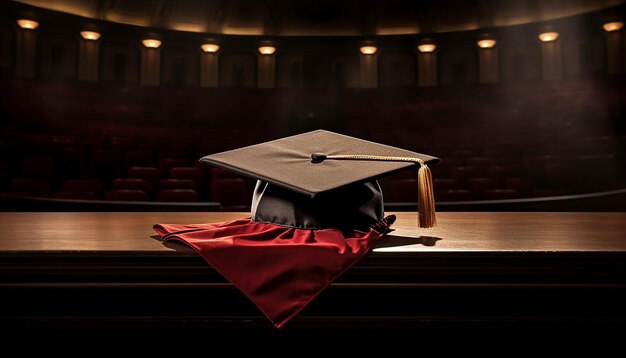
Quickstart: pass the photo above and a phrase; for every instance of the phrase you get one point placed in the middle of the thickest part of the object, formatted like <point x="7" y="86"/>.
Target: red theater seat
<point x="151" y="174"/>
<point x="166" y="165"/>
<point x="190" y="173"/>
<point x="230" y="192"/>
<point x="131" y="184"/>
<point x="166" y="184"/>
<point x="177" y="195"/>
<point x="126" y="195"/>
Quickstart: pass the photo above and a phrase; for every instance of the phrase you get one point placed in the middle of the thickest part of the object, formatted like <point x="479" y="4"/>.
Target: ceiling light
<point x="90" y="35"/>
<point x="27" y="24"/>
<point x="427" y="48"/>
<point x="613" y="26"/>
<point x="211" y="48"/>
<point x="151" y="43"/>
<point x="486" y="43"/>
<point x="548" y="36"/>
<point x="368" y="50"/>
<point x="267" y="50"/>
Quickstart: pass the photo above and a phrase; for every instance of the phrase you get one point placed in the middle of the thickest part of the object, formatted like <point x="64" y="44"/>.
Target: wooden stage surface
<point x="106" y="271"/>
<point x="457" y="232"/>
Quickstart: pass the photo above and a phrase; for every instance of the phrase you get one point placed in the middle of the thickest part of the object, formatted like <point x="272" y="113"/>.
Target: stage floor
<point x="98" y="271"/>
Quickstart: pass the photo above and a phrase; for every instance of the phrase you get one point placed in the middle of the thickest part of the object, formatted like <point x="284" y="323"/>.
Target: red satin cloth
<point x="280" y="269"/>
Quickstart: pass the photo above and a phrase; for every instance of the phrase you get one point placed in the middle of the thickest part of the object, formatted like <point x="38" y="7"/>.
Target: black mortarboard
<point x="322" y="179"/>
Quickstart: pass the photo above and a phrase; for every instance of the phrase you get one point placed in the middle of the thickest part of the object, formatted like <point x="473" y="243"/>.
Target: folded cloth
<point x="280" y="269"/>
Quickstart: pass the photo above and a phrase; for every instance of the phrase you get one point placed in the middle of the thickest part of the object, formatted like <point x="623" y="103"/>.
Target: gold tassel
<point x="426" y="197"/>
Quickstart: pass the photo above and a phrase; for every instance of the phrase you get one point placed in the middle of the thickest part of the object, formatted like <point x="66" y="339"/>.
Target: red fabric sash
<point x="280" y="269"/>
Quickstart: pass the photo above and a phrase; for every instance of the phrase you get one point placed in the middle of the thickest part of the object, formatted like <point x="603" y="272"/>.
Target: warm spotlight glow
<point x="27" y="24"/>
<point x="486" y="43"/>
<point x="90" y="35"/>
<point x="151" y="43"/>
<point x="427" y="48"/>
<point x="613" y="26"/>
<point x="267" y="50"/>
<point x="548" y="36"/>
<point x="212" y="48"/>
<point x="368" y="50"/>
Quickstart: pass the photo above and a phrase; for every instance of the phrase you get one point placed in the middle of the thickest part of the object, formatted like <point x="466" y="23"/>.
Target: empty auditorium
<point x="410" y="171"/>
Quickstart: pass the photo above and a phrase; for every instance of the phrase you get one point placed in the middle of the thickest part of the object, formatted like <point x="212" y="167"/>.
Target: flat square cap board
<point x="288" y="163"/>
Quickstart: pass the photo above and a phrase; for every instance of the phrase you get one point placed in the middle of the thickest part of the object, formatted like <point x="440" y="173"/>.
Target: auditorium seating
<point x="190" y="173"/>
<point x="150" y="174"/>
<point x="166" y="184"/>
<point x="177" y="195"/>
<point x="91" y="186"/>
<point x="131" y="184"/>
<point x="166" y="164"/>
<point x="231" y="192"/>
<point x="33" y="187"/>
<point x="496" y="141"/>
<point x="126" y="195"/>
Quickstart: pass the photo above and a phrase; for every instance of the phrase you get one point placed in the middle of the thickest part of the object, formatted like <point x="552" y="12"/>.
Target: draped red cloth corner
<point x="280" y="269"/>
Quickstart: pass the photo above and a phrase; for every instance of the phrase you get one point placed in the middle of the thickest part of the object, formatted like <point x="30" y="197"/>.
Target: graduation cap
<point x="316" y="180"/>
<point x="321" y="179"/>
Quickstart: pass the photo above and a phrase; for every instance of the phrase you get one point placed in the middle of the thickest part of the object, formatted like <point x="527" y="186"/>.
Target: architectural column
<point x="266" y="70"/>
<point x="209" y="69"/>
<point x="25" y="52"/>
<point x="427" y="68"/>
<point x="88" y="60"/>
<point x="488" y="65"/>
<point x="551" y="56"/>
<point x="614" y="52"/>
<point x="151" y="64"/>
<point x="369" y="67"/>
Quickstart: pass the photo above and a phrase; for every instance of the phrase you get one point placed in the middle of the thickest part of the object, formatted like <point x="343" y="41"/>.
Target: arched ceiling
<point x="323" y="17"/>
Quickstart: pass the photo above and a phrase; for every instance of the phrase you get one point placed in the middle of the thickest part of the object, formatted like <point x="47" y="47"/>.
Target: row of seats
<point x="186" y="184"/>
<point x="108" y="166"/>
<point x="405" y="190"/>
<point x="495" y="140"/>
<point x="461" y="177"/>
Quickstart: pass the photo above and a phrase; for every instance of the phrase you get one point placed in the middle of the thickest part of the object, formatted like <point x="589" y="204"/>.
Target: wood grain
<point x="457" y="232"/>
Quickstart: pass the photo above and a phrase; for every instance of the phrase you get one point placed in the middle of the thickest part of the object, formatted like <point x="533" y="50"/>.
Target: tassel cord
<point x="426" y="197"/>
